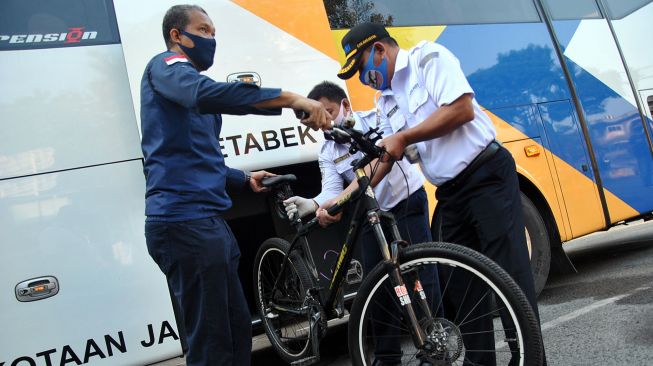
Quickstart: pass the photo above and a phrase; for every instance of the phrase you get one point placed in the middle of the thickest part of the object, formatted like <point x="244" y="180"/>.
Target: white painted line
<point x="584" y="310"/>
<point x="575" y="314"/>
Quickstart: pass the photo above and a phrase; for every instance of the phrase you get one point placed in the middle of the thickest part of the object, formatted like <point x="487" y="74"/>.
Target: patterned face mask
<point x="375" y="76"/>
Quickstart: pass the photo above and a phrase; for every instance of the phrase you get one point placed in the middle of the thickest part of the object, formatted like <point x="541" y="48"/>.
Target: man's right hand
<point x="316" y="116"/>
<point x="323" y="217"/>
<point x="299" y="205"/>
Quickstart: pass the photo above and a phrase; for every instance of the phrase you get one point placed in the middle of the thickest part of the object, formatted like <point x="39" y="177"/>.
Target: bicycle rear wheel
<point x="458" y="320"/>
<point x="283" y="311"/>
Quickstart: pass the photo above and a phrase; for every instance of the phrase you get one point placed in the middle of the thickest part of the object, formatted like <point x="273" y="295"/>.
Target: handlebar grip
<point x="300" y="114"/>
<point x="333" y="210"/>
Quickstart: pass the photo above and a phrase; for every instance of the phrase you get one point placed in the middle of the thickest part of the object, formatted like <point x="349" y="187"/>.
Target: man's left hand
<point x="255" y="182"/>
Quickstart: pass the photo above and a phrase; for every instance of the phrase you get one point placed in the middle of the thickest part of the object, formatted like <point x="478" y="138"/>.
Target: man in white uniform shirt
<point x="426" y="100"/>
<point x="400" y="192"/>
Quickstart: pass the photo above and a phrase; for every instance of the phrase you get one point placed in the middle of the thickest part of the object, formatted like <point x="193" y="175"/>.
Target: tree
<point x="348" y="13"/>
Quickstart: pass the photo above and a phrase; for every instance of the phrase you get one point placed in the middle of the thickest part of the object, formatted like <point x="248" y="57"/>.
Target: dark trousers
<point x="200" y="261"/>
<point x="412" y="216"/>
<point x="483" y="212"/>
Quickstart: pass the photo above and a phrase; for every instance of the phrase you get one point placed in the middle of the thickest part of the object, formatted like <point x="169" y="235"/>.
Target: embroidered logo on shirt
<point x="174" y="59"/>
<point x="392" y="111"/>
<point x="337" y="160"/>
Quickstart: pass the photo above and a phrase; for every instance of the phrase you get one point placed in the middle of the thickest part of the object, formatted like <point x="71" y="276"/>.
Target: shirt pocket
<point x="417" y="103"/>
<point x="397" y="120"/>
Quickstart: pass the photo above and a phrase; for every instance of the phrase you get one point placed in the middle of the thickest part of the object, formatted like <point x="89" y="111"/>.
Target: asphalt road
<point x="604" y="314"/>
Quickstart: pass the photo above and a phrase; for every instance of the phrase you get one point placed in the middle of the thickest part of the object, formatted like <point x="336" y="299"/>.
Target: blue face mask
<point x="375" y="76"/>
<point x="203" y="52"/>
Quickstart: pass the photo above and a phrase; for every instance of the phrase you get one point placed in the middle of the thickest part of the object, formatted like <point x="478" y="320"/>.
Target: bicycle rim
<point x="464" y="327"/>
<point x="289" y="333"/>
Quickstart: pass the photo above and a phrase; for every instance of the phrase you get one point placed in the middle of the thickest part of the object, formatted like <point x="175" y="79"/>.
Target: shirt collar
<point x="401" y="63"/>
<point x="402" y="60"/>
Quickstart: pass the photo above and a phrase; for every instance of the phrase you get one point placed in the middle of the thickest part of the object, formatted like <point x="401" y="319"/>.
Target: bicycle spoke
<point x="469" y="284"/>
<point x="446" y="286"/>
<point x="490" y="313"/>
<point x="474" y="307"/>
<point x="487" y="331"/>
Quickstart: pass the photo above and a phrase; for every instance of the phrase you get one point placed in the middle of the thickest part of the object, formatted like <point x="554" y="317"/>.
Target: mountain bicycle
<point x="425" y="327"/>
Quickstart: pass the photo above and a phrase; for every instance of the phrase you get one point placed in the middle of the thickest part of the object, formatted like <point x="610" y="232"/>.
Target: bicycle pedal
<point x="305" y="361"/>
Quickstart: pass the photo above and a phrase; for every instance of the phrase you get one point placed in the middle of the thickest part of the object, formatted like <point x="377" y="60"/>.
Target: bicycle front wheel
<point x="469" y="310"/>
<point x="283" y="309"/>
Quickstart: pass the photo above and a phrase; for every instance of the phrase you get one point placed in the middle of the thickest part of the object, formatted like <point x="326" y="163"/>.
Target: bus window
<point x="577" y="9"/>
<point x="346" y="14"/>
<point x="650" y="104"/>
<point x="57" y="23"/>
<point x="618" y="9"/>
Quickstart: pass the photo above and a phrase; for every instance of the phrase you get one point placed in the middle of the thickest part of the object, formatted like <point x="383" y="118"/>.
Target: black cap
<point x="355" y="42"/>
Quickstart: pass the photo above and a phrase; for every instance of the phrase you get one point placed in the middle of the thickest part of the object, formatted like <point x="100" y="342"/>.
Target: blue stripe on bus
<point x="515" y="73"/>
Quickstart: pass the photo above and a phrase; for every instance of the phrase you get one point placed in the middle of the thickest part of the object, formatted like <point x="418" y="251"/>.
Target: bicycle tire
<point x="525" y="343"/>
<point x="288" y="333"/>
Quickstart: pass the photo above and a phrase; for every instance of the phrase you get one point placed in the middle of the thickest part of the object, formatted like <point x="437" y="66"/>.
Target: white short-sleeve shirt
<point x="335" y="166"/>
<point x="427" y="77"/>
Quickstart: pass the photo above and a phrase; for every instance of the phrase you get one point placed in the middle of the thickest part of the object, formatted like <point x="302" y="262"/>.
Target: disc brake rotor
<point x="445" y="339"/>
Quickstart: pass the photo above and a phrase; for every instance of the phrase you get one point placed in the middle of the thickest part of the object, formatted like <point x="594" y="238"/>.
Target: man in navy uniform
<point x="186" y="178"/>
<point x="426" y="100"/>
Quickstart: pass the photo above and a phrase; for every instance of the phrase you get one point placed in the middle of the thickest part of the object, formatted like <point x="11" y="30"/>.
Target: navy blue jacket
<point x="180" y="123"/>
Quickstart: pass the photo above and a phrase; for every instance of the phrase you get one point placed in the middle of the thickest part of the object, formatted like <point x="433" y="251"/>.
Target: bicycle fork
<point x="391" y="257"/>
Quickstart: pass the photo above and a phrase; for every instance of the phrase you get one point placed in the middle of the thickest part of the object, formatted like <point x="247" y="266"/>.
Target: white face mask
<point x="342" y="115"/>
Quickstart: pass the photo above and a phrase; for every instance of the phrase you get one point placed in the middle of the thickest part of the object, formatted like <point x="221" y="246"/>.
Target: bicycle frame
<point x="366" y="206"/>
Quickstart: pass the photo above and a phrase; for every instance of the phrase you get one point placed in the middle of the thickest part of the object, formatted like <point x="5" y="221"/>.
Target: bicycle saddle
<point x="278" y="180"/>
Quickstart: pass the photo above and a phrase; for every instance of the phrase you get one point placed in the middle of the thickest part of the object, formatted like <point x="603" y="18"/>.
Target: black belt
<point x="479" y="160"/>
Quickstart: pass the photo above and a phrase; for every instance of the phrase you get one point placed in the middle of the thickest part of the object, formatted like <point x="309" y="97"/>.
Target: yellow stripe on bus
<point x="305" y="20"/>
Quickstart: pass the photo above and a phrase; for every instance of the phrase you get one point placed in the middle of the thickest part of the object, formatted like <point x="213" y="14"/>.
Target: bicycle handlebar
<point x="359" y="141"/>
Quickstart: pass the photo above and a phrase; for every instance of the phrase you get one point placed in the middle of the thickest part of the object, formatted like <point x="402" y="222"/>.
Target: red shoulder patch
<point x="174" y="59"/>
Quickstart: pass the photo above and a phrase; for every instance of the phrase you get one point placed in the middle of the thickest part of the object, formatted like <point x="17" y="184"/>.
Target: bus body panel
<point x="85" y="228"/>
<point x="609" y="105"/>
<point x="77" y="100"/>
<point x="631" y="31"/>
<point x="72" y="196"/>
